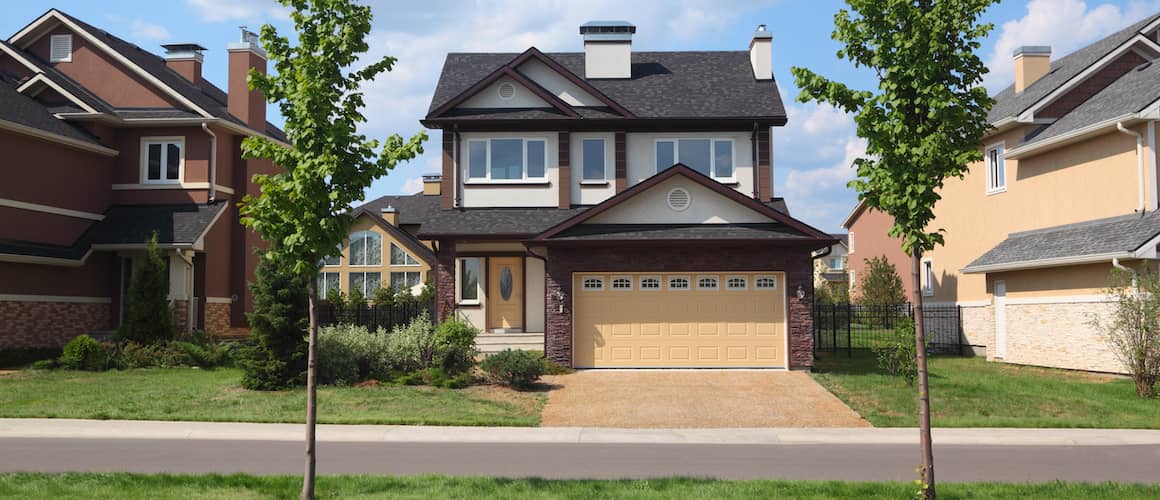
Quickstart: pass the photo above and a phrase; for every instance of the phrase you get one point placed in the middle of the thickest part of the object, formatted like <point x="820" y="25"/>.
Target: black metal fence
<point x="851" y="327"/>
<point x="374" y="316"/>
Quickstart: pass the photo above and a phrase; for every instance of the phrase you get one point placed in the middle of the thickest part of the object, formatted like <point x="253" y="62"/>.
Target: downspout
<point x="1116" y="264"/>
<point x="212" y="162"/>
<point x="1139" y="162"/>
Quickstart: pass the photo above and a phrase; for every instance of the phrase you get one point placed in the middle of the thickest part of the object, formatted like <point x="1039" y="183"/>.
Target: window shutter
<point x="61" y="48"/>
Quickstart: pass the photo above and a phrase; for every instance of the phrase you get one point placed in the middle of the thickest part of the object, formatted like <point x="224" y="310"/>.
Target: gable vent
<point x="506" y="91"/>
<point x="679" y="199"/>
<point x="60" y="48"/>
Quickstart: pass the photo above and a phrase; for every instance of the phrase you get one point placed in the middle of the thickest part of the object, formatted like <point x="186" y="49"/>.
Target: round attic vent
<point x="679" y="199"/>
<point x="506" y="91"/>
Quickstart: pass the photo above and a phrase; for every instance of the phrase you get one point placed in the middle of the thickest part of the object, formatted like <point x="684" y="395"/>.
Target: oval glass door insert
<point x="505" y="283"/>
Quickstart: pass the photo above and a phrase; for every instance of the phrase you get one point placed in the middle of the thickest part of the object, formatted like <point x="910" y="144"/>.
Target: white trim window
<point x="712" y="157"/>
<point x="850" y="242"/>
<point x="333" y="260"/>
<point x="765" y="283"/>
<point x="836" y="264"/>
<point x="162" y="160"/>
<point x="326" y="283"/>
<point x="60" y="48"/>
<point x="996" y="169"/>
<point x="507" y="159"/>
<point x="467" y="278"/>
<point x="593" y="160"/>
<point x="592" y="283"/>
<point x="366" y="248"/>
<point x="622" y="283"/>
<point x="927" y="277"/>
<point x="678" y="282"/>
<point x="365" y="283"/>
<point x="650" y="283"/>
<point x="853" y="281"/>
<point x="405" y="280"/>
<point x="707" y="283"/>
<point x="400" y="257"/>
<point x="736" y="283"/>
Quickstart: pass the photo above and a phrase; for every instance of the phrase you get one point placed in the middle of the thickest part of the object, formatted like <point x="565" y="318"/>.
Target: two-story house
<point x="1066" y="193"/>
<point x="871" y="230"/>
<point x="616" y="208"/>
<point x="831" y="269"/>
<point x="103" y="143"/>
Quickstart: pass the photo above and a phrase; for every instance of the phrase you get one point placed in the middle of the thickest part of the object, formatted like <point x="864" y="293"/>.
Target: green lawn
<point x="130" y="487"/>
<point x="214" y="395"/>
<point x="970" y="392"/>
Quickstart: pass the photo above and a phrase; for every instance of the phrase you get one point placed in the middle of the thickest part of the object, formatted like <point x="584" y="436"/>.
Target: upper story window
<point x="836" y="263"/>
<point x="333" y="260"/>
<point x="850" y="242"/>
<point x="60" y="48"/>
<point x="162" y="159"/>
<point x="996" y="169"/>
<point x="593" y="161"/>
<point x="712" y="157"/>
<point x="507" y="159"/>
<point x="400" y="257"/>
<point x="927" y="277"/>
<point x="366" y="249"/>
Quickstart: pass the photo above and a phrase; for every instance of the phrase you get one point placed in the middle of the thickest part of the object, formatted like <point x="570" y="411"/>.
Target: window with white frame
<point x="621" y="283"/>
<point x="996" y="169"/>
<point x="736" y="283"/>
<point x="650" y="283"/>
<point x="712" y="157"/>
<point x="678" y="282"/>
<point x="60" y="48"/>
<point x="332" y="260"/>
<point x="326" y="283"/>
<point x="592" y="283"/>
<point x="366" y="249"/>
<point x="162" y="159"/>
<point x="927" y="277"/>
<point x="365" y="283"/>
<point x="850" y="242"/>
<point x="468" y="276"/>
<point x="593" y="160"/>
<point x="706" y="282"/>
<point x="507" y="159"/>
<point x="853" y="281"/>
<point x="765" y="283"/>
<point x="836" y="263"/>
<point x="405" y="280"/>
<point x="400" y="257"/>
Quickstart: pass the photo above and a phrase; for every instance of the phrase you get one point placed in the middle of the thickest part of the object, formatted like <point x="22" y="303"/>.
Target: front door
<point x="505" y="293"/>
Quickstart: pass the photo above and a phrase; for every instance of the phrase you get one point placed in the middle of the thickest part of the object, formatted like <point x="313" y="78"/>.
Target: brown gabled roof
<point x="681" y="169"/>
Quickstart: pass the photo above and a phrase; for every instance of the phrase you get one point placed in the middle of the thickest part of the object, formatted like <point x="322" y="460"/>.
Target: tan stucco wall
<point x="365" y="223"/>
<point x="705" y="206"/>
<point x="1090" y="279"/>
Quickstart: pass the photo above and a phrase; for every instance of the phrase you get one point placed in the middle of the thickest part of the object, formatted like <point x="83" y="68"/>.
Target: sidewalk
<point x="134" y="429"/>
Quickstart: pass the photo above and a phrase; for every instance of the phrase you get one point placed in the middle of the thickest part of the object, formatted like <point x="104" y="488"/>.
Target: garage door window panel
<point x="765" y="283"/>
<point x="592" y="284"/>
<point x="622" y="283"/>
<point x="650" y="283"/>
<point x="736" y="283"/>
<point x="678" y="283"/>
<point x="707" y="283"/>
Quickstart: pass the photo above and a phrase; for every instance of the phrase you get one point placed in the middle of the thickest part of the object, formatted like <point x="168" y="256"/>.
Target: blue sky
<point x="812" y="153"/>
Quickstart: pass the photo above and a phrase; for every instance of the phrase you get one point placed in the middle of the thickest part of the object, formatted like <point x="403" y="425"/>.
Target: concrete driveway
<point x="693" y="398"/>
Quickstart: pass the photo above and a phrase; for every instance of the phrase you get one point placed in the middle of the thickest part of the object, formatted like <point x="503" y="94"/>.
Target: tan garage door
<point x="700" y="320"/>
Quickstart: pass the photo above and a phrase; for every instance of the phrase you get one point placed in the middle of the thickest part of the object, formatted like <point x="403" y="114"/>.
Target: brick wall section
<point x="795" y="262"/>
<point x="180" y="315"/>
<point x="447" y="184"/>
<point x="217" y="319"/>
<point x="621" y="163"/>
<point x="49" y="324"/>
<point x="1092" y="86"/>
<point x="445" y="280"/>
<point x="564" y="168"/>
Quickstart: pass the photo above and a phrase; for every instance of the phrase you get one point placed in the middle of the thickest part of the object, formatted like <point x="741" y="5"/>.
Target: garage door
<point x="690" y="320"/>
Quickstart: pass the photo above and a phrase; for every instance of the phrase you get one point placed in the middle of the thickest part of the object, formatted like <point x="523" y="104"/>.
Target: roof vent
<point x="679" y="199"/>
<point x="507" y="91"/>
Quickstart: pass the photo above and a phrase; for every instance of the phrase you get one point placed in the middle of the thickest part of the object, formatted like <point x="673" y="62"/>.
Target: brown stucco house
<point x="616" y="208"/>
<point x="1067" y="192"/>
<point x="103" y="144"/>
<point x="868" y="237"/>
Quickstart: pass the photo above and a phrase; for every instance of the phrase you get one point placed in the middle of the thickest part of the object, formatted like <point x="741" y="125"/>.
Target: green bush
<point x="45" y="364"/>
<point x="554" y="368"/>
<point x="84" y="353"/>
<point x="21" y="356"/>
<point x="413" y="347"/>
<point x="277" y="359"/>
<point x="516" y="369"/>
<point x="897" y="355"/>
<point x="348" y="354"/>
<point x="149" y="317"/>
<point x="456" y="346"/>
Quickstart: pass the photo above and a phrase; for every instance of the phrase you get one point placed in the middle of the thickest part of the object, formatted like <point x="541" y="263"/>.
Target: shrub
<point x="413" y="347"/>
<point x="149" y="317"/>
<point x="348" y="354"/>
<point x="84" y="353"/>
<point x="554" y="368"/>
<point x="1132" y="328"/>
<point x="881" y="285"/>
<point x="516" y="369"/>
<point x="384" y="296"/>
<point x="897" y="355"/>
<point x="278" y="357"/>
<point x="456" y="346"/>
<point x="20" y="356"/>
<point x="44" y="364"/>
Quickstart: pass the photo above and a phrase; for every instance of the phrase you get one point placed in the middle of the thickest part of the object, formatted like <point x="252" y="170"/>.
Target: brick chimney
<point x="607" y="49"/>
<point x="1032" y="62"/>
<point x="391" y="215"/>
<point x="248" y="105"/>
<point x="761" y="53"/>
<point x="185" y="59"/>
<point x="432" y="185"/>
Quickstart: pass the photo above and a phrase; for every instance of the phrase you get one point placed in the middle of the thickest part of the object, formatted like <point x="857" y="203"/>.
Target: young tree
<point x="881" y="285"/>
<point x="1132" y="330"/>
<point x="304" y="210"/>
<point x="925" y="123"/>
<point x="278" y="358"/>
<point x="150" y="317"/>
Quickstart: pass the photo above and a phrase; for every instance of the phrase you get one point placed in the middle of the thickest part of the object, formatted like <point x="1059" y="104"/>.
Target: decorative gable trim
<point x="35" y="85"/>
<point x="19" y="57"/>
<point x="510" y="71"/>
<point x="699" y="178"/>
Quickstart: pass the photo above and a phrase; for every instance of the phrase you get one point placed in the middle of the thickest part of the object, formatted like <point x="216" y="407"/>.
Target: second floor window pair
<point x="713" y="158"/>
<point x="163" y="159"/>
<point x="507" y="159"/>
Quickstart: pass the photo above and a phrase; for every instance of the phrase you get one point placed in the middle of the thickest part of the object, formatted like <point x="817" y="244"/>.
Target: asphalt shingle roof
<point x="495" y="221"/>
<point x="21" y="109"/>
<point x="609" y="232"/>
<point x="695" y="84"/>
<point x="413" y="209"/>
<point x="1131" y="93"/>
<point x="1120" y="234"/>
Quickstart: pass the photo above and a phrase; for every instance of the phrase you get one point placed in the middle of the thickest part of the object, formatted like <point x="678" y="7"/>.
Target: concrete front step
<point x="496" y="342"/>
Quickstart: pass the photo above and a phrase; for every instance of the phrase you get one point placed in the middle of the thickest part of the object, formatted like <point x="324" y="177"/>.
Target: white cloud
<point x="1065" y="25"/>
<point x="412" y="185"/>
<point x="142" y="29"/>
<point x="819" y="195"/>
<point x="244" y="10"/>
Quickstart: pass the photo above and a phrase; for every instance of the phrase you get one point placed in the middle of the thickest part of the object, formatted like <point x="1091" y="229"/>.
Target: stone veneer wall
<point x="49" y="324"/>
<point x="795" y="262"/>
<point x="1058" y="335"/>
<point x="979" y="327"/>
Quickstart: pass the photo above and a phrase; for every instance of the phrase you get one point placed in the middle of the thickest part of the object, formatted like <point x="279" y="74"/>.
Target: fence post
<point x="849" y="337"/>
<point x="834" y="327"/>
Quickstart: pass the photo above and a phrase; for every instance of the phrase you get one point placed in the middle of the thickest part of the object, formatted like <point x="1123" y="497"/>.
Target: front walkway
<point x="673" y="399"/>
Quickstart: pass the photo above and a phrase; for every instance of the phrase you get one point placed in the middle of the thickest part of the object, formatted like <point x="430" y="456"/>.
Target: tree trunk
<point x="923" y="386"/>
<point x="311" y="394"/>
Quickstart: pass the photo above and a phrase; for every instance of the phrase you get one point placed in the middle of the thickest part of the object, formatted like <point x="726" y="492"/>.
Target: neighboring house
<point x="831" y="269"/>
<point x="382" y="250"/>
<point x="104" y="144"/>
<point x="1067" y="191"/>
<point x="615" y="208"/>
<point x="868" y="238"/>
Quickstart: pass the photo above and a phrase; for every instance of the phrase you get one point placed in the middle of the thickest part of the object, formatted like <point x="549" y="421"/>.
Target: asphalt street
<point x="860" y="462"/>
